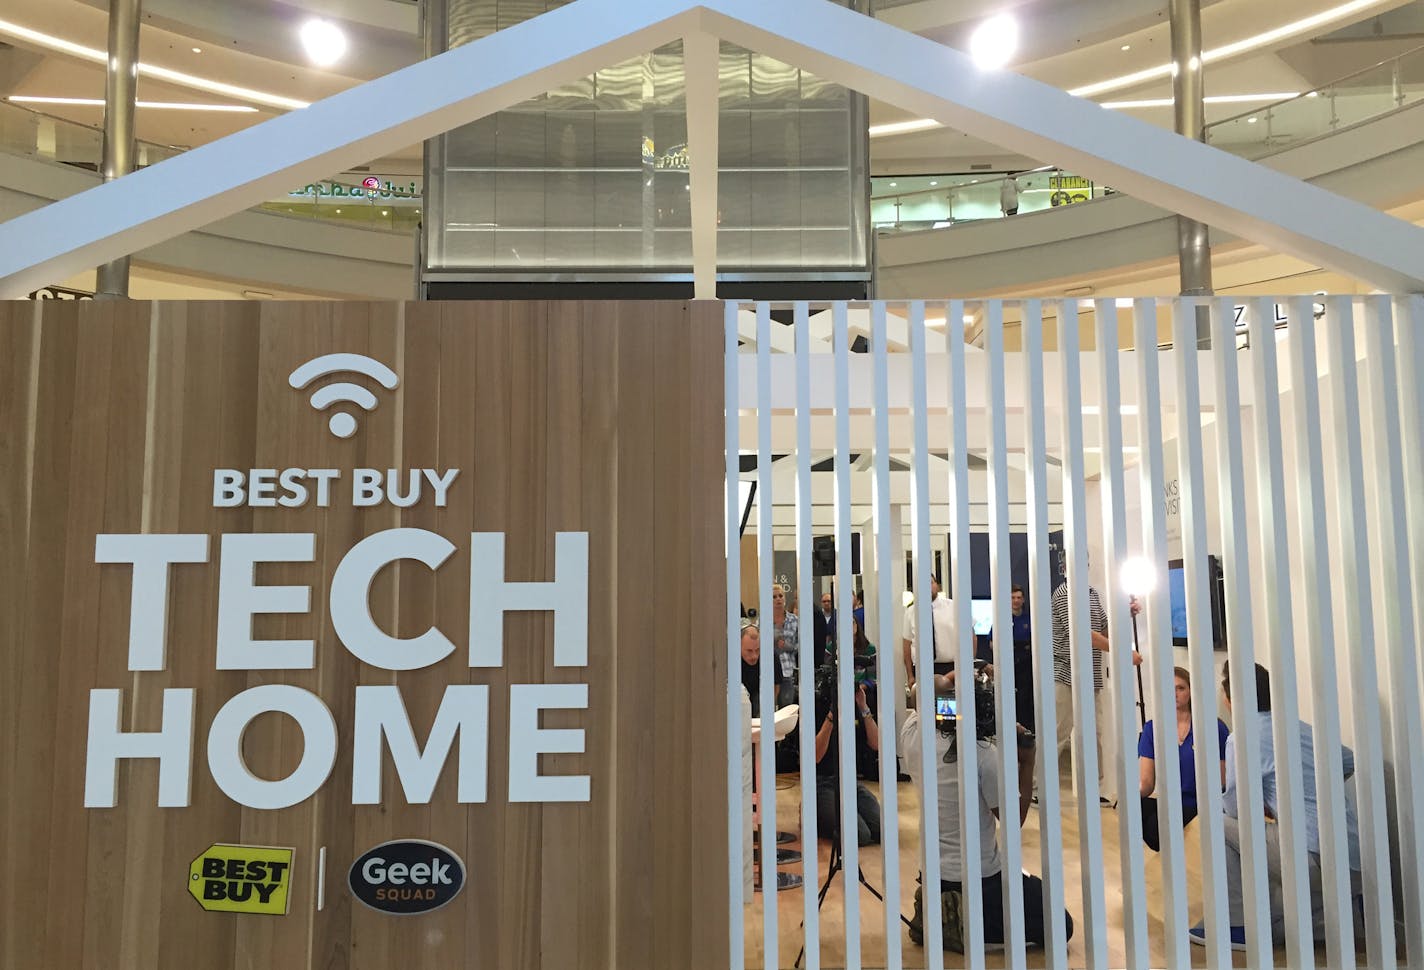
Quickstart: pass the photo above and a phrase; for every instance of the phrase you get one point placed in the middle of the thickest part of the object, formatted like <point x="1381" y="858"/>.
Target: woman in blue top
<point x="1186" y="759"/>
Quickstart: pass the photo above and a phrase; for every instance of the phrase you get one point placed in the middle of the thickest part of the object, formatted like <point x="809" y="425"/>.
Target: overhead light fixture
<point x="893" y="184"/>
<point x="994" y="42"/>
<point x="197" y="50"/>
<point x="933" y="184"/>
<point x="1344" y="12"/>
<point x="1127" y="47"/>
<point x="96" y="56"/>
<point x="901" y="127"/>
<point x="1252" y="120"/>
<point x="99" y="103"/>
<point x="324" y="42"/>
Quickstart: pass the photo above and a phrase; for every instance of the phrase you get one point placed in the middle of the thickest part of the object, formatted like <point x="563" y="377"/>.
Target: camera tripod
<point x="837" y="864"/>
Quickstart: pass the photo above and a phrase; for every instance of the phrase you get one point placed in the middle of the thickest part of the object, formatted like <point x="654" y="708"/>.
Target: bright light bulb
<point x="323" y="41"/>
<point x="994" y="42"/>
<point x="1139" y="576"/>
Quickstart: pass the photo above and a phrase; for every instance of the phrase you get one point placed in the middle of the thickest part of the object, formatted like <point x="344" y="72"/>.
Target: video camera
<point x="828" y="676"/>
<point x="986" y="722"/>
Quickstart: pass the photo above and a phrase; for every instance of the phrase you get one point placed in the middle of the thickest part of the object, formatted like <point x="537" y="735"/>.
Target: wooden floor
<point x="790" y="906"/>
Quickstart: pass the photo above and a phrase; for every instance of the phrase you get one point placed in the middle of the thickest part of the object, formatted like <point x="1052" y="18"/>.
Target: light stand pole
<point x="1139" y="577"/>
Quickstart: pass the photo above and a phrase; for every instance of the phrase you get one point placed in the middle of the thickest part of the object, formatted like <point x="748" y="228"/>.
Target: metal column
<point x="119" y="96"/>
<point x="1193" y="240"/>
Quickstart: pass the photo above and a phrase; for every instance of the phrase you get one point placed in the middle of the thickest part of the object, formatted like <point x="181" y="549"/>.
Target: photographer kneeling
<point x="867" y="809"/>
<point x="990" y="898"/>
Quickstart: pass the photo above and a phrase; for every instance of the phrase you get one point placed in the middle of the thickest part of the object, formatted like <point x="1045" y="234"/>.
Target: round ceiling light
<point x="323" y="41"/>
<point x="994" y="42"/>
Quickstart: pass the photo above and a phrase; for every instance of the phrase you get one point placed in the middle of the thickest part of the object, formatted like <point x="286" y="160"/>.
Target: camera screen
<point x="944" y="708"/>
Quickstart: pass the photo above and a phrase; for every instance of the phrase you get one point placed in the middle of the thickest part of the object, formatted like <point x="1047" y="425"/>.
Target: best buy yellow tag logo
<point x="242" y="879"/>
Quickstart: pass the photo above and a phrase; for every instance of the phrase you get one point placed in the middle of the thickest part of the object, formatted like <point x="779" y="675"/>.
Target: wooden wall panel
<point x="597" y="417"/>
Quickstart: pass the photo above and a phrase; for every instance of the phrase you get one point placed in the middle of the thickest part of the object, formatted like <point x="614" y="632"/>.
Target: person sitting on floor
<point x="990" y="898"/>
<point x="1186" y="760"/>
<point x="1235" y="901"/>
<point x="867" y="734"/>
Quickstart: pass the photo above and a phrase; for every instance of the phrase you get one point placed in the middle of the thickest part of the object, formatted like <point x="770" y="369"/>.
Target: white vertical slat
<point x="766" y="704"/>
<point x="1000" y="569"/>
<point x="845" y="706"/>
<point x="1236" y="565"/>
<point x="1075" y="534"/>
<point x="966" y="743"/>
<point x="1320" y="637"/>
<point x="1361" y="670"/>
<point x="1273" y="534"/>
<point x="924" y="671"/>
<point x="1410" y="312"/>
<point x="1050" y="818"/>
<point x="886" y="560"/>
<point x="736" y="928"/>
<point x="806" y="686"/>
<point x="1394" y="628"/>
<point x="1115" y="601"/>
<point x="1159" y="633"/>
<point x="1200" y="647"/>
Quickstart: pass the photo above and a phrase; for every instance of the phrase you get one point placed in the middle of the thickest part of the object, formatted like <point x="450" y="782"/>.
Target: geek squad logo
<point x="379" y="722"/>
<point x="407" y="876"/>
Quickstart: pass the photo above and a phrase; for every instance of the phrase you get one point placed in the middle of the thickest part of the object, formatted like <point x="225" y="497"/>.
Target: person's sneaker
<point x="1197" y="934"/>
<point x="1106" y="802"/>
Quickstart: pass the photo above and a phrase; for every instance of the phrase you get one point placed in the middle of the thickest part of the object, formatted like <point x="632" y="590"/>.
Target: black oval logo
<point x="407" y="876"/>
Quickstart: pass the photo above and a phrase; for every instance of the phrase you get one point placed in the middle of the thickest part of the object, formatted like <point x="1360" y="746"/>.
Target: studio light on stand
<point x="1139" y="577"/>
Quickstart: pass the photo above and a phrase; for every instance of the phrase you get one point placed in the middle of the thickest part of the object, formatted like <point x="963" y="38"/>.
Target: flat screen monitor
<point x="983" y="613"/>
<point x="1177" y="593"/>
<point x="1216" y="591"/>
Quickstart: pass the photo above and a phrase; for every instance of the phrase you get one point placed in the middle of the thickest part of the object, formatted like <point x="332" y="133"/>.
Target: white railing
<point x="1215" y="451"/>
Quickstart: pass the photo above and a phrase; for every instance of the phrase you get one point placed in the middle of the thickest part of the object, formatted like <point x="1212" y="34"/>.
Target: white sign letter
<point x="527" y="741"/>
<point x="172" y="745"/>
<point x="227" y="488"/>
<point x="464" y="710"/>
<point x="225" y="759"/>
<point x="240" y="598"/>
<point x="351" y="606"/>
<point x="148" y="603"/>
<point x="491" y="597"/>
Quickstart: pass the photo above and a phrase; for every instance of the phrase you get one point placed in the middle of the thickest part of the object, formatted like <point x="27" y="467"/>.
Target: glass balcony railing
<point x="1375" y="91"/>
<point x="912" y="203"/>
<point x="903" y="203"/>
<point x="897" y="203"/>
<point x="392" y="205"/>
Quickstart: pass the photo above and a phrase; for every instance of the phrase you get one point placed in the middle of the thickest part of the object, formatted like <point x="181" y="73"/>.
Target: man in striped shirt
<point x="1063" y="676"/>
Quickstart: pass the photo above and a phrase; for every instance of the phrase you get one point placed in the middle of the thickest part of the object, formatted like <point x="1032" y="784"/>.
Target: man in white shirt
<point x="1229" y="800"/>
<point x="945" y="642"/>
<point x="990" y="898"/>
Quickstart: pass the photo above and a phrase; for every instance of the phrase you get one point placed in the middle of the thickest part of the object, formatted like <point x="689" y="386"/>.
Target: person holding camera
<point x="867" y="731"/>
<point x="990" y="897"/>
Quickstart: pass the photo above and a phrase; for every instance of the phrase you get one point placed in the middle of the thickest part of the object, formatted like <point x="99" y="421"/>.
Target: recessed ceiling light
<point x="893" y="184"/>
<point x="934" y="183"/>
<point x="1350" y="11"/>
<point x="197" y="50"/>
<point x="96" y="56"/>
<point x="99" y="102"/>
<point x="1214" y="99"/>
<point x="1127" y="47"/>
<point x="1252" y="121"/>
<point x="901" y="127"/>
<point x="323" y="41"/>
<point x="994" y="42"/>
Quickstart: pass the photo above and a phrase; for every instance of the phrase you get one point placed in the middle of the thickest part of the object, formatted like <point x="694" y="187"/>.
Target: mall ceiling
<point x="1070" y="43"/>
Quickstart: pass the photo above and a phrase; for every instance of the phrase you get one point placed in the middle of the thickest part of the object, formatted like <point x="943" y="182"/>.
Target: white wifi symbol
<point x="343" y="425"/>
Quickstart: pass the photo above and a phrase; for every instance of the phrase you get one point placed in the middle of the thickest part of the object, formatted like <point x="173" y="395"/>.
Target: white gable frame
<point x="1035" y="119"/>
